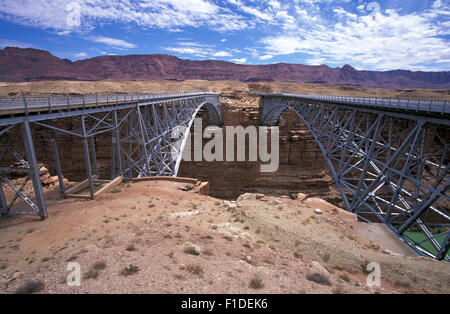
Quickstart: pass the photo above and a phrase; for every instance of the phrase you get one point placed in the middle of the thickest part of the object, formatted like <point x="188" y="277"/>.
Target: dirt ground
<point x="110" y="86"/>
<point x="172" y="241"/>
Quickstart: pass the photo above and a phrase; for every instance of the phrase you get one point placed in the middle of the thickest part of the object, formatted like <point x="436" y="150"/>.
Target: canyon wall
<point x="302" y="166"/>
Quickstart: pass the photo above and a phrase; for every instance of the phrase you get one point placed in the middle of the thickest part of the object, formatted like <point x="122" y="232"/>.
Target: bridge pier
<point x="34" y="170"/>
<point x="57" y="164"/>
<point x="3" y="203"/>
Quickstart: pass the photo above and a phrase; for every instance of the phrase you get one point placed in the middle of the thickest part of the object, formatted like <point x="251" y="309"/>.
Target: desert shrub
<point x="191" y="250"/>
<point x="345" y="277"/>
<point x="100" y="265"/>
<point x="195" y="269"/>
<point x="256" y="283"/>
<point x="91" y="274"/>
<point x="130" y="270"/>
<point x="31" y="286"/>
<point x="339" y="290"/>
<point x="319" y="278"/>
<point x="131" y="248"/>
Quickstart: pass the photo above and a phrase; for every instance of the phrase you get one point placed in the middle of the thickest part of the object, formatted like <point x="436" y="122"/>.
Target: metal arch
<point x="386" y="172"/>
<point x="158" y="152"/>
<point x="214" y="119"/>
<point x="275" y="114"/>
<point x="140" y="126"/>
<point x="214" y="113"/>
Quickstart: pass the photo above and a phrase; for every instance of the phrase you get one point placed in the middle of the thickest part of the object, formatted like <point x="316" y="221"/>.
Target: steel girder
<point x="390" y="167"/>
<point x="141" y="128"/>
<point x="147" y="141"/>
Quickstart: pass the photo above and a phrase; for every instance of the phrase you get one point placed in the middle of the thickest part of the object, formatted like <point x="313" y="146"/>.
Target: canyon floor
<point x="123" y="86"/>
<point x="156" y="237"/>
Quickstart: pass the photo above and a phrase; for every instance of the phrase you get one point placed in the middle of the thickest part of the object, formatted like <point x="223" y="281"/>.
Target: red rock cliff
<point x="18" y="65"/>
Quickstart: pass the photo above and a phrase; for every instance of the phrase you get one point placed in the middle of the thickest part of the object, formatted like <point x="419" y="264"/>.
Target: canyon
<point x="24" y="65"/>
<point x="302" y="167"/>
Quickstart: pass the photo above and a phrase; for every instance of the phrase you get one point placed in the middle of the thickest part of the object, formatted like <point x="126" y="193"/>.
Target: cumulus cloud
<point x="382" y="41"/>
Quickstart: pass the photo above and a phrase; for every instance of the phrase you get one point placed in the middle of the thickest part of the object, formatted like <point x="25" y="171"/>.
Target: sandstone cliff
<point x="18" y="65"/>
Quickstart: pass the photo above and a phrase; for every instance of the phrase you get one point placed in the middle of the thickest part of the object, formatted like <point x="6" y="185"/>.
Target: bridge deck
<point x="410" y="105"/>
<point x="25" y="105"/>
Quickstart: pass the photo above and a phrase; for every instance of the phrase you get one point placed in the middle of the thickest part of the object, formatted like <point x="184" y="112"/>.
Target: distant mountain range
<point x="22" y="65"/>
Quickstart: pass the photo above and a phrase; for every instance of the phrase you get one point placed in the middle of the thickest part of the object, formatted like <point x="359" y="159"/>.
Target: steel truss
<point x="141" y="128"/>
<point x="390" y="166"/>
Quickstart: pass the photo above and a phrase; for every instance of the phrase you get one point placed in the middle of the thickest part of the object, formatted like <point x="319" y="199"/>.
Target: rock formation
<point x="19" y="65"/>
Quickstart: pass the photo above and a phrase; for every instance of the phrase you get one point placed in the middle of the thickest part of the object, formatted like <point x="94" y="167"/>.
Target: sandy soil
<point x="107" y="86"/>
<point x="268" y="245"/>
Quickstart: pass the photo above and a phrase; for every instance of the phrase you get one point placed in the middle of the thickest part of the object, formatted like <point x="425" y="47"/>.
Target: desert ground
<point x="78" y="87"/>
<point x="159" y="237"/>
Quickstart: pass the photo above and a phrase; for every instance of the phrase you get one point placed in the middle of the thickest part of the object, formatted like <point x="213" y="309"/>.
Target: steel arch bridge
<point x="389" y="158"/>
<point x="141" y="128"/>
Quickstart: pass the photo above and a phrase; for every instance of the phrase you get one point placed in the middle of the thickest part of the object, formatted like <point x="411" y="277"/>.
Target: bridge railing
<point x="435" y="106"/>
<point x="25" y="104"/>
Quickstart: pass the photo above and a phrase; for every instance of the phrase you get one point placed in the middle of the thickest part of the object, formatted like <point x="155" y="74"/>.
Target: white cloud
<point x="241" y="60"/>
<point x="66" y="16"/>
<point x="187" y="50"/>
<point x="221" y="54"/>
<point x="437" y="4"/>
<point x="381" y="42"/>
<point x="117" y="43"/>
<point x="193" y="48"/>
<point x="198" y="49"/>
<point x="80" y="55"/>
<point x="265" y="57"/>
<point x="256" y="12"/>
<point x="14" y="43"/>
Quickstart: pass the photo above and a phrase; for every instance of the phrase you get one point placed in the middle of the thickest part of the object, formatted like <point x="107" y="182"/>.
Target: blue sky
<point x="382" y="35"/>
